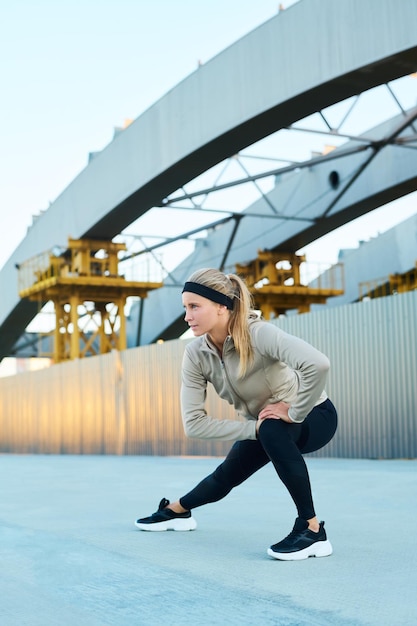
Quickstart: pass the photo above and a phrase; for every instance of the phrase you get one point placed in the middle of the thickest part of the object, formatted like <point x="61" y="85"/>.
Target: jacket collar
<point x="208" y="345"/>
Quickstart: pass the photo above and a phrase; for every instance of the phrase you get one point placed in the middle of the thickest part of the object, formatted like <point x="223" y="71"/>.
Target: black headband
<point x="209" y="293"/>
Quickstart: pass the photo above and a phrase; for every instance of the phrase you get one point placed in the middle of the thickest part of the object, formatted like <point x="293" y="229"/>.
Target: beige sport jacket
<point x="285" y="368"/>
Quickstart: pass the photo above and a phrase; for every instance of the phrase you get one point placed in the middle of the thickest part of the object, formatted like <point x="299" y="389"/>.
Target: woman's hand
<point x="276" y="411"/>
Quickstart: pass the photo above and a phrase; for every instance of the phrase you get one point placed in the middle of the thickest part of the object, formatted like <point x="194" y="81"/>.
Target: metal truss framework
<point x="404" y="135"/>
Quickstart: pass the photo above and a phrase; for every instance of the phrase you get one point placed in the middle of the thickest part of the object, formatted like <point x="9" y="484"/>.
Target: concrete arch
<point x="312" y="55"/>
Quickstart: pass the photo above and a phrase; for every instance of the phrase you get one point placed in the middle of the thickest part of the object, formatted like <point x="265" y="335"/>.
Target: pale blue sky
<point x="71" y="71"/>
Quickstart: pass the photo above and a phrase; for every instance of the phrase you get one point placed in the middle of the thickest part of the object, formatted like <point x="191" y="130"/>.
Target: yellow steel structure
<point x="84" y="284"/>
<point x="274" y="279"/>
<point x="390" y="285"/>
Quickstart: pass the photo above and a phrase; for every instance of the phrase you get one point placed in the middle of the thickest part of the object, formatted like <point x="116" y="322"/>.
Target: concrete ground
<point x="70" y="554"/>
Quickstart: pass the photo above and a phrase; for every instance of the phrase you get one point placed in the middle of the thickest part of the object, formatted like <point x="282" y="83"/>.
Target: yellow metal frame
<point x="274" y="280"/>
<point x="87" y="272"/>
<point x="389" y="285"/>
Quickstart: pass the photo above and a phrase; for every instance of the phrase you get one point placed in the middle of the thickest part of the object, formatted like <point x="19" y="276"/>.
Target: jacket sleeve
<point x="197" y="424"/>
<point x="311" y="366"/>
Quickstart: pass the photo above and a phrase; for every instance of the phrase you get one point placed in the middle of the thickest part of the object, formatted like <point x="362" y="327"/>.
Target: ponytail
<point x="238" y="324"/>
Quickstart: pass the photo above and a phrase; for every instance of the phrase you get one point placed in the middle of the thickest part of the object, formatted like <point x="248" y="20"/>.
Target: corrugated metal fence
<point x="128" y="402"/>
<point x="372" y="347"/>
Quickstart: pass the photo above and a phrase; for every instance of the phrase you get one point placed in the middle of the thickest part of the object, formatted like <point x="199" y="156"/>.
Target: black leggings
<point x="279" y="442"/>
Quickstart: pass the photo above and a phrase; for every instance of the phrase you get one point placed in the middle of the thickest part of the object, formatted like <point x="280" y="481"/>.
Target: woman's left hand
<point x="276" y="411"/>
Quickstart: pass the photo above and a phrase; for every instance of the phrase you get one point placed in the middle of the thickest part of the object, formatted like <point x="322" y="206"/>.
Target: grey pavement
<point x="70" y="554"/>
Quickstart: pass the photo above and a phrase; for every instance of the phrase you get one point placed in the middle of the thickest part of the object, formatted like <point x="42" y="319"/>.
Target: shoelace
<point x="163" y="504"/>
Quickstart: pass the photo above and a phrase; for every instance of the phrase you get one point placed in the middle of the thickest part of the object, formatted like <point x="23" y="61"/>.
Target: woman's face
<point x="203" y="315"/>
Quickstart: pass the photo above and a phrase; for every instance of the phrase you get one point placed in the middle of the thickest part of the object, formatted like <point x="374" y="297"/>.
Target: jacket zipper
<point x="231" y="386"/>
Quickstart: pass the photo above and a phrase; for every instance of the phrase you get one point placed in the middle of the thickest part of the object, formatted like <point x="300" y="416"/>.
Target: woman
<point x="273" y="379"/>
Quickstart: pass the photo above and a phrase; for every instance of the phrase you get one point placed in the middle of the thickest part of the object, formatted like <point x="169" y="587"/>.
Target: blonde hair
<point x="234" y="287"/>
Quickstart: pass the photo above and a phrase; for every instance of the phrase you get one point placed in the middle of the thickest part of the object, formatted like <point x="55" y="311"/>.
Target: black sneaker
<point x="301" y="543"/>
<point x="166" y="519"/>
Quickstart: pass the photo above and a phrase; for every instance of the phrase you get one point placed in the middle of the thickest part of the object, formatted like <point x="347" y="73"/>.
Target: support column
<point x="75" y="334"/>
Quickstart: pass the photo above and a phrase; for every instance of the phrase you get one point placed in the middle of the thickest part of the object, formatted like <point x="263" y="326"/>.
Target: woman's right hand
<point x="276" y="411"/>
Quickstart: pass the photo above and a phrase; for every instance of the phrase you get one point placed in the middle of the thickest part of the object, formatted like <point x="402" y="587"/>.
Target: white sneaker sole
<point x="318" y="549"/>
<point x="179" y="524"/>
